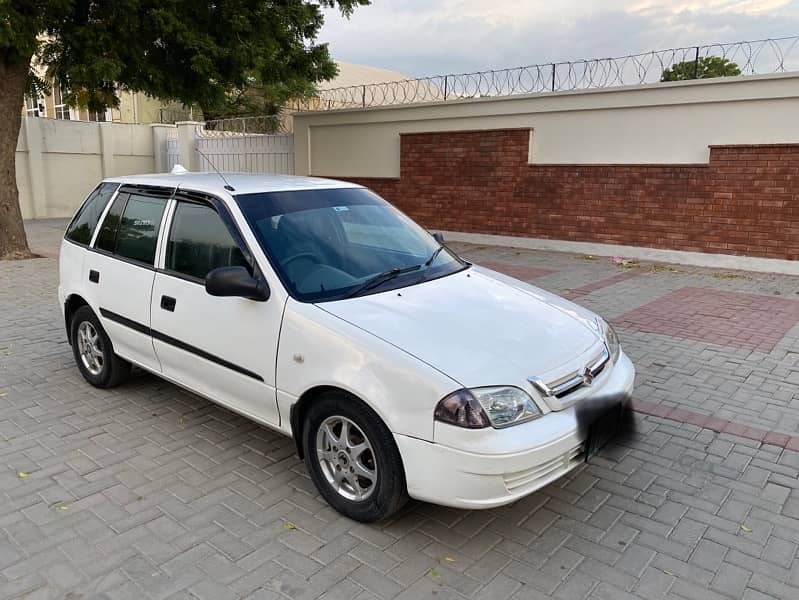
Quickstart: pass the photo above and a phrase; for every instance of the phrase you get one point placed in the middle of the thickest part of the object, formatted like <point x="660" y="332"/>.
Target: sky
<point x="431" y="37"/>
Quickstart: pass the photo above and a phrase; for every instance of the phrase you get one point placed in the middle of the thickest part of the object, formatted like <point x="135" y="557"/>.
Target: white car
<point x="317" y="309"/>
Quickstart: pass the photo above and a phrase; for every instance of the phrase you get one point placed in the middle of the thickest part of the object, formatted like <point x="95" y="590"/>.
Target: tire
<point x="94" y="354"/>
<point x="341" y="475"/>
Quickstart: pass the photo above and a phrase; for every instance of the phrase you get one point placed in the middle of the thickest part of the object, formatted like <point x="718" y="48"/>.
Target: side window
<point x="138" y="229"/>
<point x="199" y="242"/>
<point x="107" y="237"/>
<point x="82" y="227"/>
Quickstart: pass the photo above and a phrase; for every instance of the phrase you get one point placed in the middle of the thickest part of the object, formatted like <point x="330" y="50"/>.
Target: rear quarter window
<point x="82" y="227"/>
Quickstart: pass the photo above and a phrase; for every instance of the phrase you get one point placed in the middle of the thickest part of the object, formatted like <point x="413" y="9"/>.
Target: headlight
<point x="611" y="339"/>
<point x="477" y="408"/>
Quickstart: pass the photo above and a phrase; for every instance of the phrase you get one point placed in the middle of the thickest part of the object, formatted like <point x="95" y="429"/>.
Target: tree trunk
<point x="13" y="241"/>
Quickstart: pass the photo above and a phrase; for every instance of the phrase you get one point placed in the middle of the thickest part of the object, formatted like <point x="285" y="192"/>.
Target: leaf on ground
<point x="59" y="507"/>
<point x="667" y="572"/>
<point x="22" y="474"/>
<point x="289" y="525"/>
<point x="449" y="559"/>
<point x="746" y="529"/>
<point x="433" y="573"/>
<point x="3" y="394"/>
<point x="665" y="269"/>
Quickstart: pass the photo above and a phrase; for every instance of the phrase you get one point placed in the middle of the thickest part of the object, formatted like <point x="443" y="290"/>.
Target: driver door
<point x="222" y="348"/>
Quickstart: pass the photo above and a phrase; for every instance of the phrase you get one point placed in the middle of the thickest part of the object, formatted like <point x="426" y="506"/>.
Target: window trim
<point x="219" y="207"/>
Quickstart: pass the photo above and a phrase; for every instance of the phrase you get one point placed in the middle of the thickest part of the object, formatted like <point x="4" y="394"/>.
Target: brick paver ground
<point x="147" y="491"/>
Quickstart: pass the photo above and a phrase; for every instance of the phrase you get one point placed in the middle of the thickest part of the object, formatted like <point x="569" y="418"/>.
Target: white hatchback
<point x="316" y="308"/>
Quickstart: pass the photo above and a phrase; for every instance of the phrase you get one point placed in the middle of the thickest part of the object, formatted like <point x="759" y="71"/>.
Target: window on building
<point x="34" y="107"/>
<point x="61" y="109"/>
<point x="101" y="116"/>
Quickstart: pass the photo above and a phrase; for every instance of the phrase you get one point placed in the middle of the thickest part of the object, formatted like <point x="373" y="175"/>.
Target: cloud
<point x="428" y="37"/>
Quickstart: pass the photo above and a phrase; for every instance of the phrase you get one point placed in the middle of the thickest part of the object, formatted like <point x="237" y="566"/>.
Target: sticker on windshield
<point x="341" y="208"/>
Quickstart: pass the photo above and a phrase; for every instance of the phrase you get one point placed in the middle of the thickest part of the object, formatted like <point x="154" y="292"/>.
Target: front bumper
<point x="512" y="462"/>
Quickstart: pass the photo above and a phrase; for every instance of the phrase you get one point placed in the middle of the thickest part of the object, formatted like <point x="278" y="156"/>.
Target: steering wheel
<point x="307" y="255"/>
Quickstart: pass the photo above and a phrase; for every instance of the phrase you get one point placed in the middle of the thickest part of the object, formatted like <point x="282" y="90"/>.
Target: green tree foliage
<point x="193" y="52"/>
<point x="705" y="68"/>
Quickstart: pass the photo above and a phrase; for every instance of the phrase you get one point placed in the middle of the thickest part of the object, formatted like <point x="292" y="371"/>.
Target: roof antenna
<point x="228" y="187"/>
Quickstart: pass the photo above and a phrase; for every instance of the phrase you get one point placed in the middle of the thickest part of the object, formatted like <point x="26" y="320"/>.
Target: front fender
<point x="319" y="349"/>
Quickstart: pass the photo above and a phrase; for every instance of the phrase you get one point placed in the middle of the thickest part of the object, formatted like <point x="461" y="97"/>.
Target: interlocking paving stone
<point x="165" y="495"/>
<point x="523" y="272"/>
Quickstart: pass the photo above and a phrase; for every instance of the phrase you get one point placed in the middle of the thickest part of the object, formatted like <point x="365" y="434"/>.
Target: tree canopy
<point x="182" y="50"/>
<point x="704" y="68"/>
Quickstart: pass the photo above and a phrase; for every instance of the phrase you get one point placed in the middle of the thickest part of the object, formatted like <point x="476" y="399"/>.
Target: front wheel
<point x="353" y="459"/>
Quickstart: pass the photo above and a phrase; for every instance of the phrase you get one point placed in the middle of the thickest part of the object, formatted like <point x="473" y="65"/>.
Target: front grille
<point x="548" y="471"/>
<point x="574" y="381"/>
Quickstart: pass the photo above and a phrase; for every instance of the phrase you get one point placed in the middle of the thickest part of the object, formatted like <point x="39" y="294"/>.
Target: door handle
<point x="168" y="303"/>
<point x="94" y="276"/>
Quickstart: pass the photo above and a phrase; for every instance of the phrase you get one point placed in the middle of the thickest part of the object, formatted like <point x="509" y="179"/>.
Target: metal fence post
<point x="553" y="77"/>
<point x="446" y="79"/>
<point x="363" y="96"/>
<point x="696" y="64"/>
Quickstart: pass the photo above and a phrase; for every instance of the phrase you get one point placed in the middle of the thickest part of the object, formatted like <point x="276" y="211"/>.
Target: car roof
<point x="241" y="183"/>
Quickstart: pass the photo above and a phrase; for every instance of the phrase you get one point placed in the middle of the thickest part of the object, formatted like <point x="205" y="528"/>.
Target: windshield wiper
<point x="382" y="278"/>
<point x="433" y="256"/>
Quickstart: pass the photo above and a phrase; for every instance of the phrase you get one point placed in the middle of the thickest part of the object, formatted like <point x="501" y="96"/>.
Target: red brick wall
<point x="744" y="201"/>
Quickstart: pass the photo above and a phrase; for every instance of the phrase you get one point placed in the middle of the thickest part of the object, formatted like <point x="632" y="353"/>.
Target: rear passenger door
<point x="223" y="348"/>
<point x="121" y="268"/>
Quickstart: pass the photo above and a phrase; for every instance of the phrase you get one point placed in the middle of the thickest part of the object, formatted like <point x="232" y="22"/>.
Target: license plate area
<point x="603" y="430"/>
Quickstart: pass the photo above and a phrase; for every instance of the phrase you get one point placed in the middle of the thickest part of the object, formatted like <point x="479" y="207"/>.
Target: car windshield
<point x="331" y="244"/>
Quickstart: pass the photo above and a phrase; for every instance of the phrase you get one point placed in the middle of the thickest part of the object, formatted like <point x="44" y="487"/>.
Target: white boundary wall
<point x="59" y="162"/>
<point x="659" y="123"/>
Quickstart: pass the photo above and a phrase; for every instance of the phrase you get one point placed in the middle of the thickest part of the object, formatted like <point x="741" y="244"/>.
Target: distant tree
<point x="182" y="50"/>
<point x="705" y="68"/>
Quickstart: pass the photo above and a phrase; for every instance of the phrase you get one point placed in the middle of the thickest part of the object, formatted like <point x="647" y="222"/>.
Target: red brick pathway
<point x="735" y="319"/>
<point x="681" y="415"/>
<point x="598" y="285"/>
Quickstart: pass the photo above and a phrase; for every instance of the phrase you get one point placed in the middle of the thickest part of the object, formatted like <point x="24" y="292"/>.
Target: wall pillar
<point x="160" y="135"/>
<point x="32" y="128"/>
<point x="107" y="149"/>
<point x="187" y="144"/>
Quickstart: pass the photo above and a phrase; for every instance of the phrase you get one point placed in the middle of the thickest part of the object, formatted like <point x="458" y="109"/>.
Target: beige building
<point x="134" y="107"/>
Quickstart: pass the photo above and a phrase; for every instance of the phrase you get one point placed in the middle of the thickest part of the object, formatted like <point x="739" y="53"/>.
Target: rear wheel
<point x="94" y="353"/>
<point x="352" y="458"/>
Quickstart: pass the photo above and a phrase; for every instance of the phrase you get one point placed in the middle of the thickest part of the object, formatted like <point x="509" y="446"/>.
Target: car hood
<point x="478" y="327"/>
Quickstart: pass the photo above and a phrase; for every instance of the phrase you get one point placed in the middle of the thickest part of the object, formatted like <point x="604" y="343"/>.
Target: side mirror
<point x="237" y="282"/>
<point x="439" y="237"/>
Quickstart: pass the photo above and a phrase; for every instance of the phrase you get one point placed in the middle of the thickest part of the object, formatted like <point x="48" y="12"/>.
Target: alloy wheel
<point x="90" y="348"/>
<point x="346" y="458"/>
